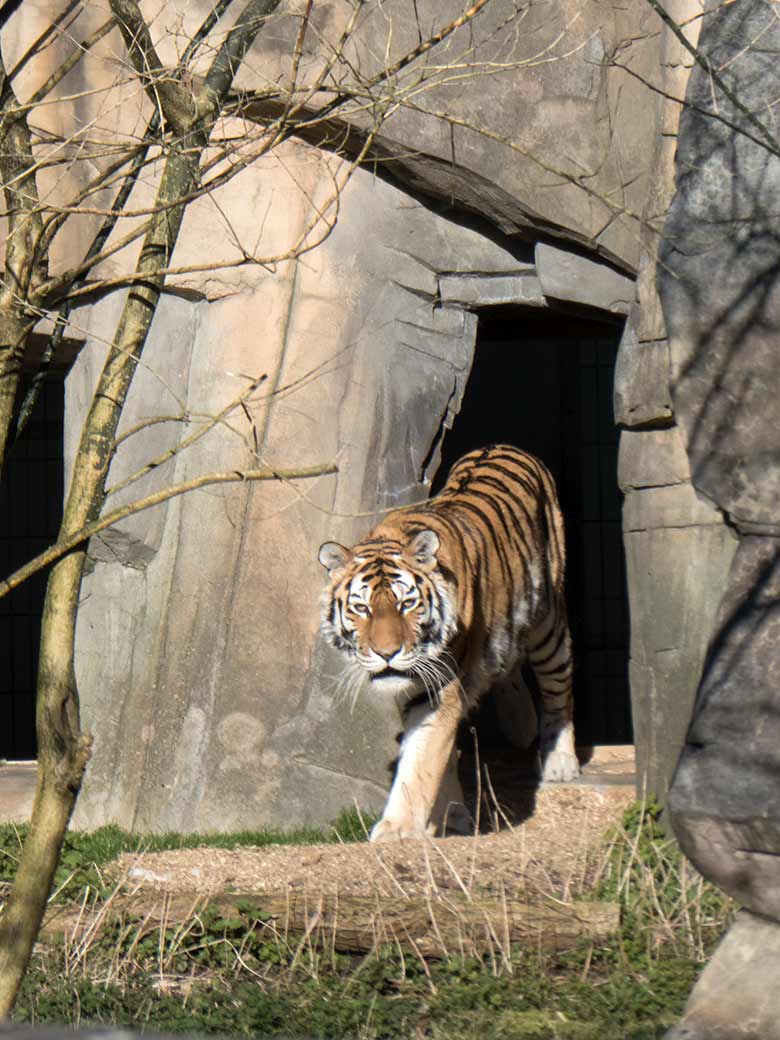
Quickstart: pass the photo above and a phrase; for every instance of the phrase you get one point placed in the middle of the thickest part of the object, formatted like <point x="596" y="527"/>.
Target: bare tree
<point x="131" y="190"/>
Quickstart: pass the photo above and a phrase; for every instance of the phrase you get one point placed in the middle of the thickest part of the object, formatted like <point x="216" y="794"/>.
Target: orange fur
<point x="445" y="599"/>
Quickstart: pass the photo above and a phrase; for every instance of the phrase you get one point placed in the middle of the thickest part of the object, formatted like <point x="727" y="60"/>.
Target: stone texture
<point x="561" y="151"/>
<point x="735" y="997"/>
<point x="653" y="508"/>
<point x="718" y="282"/>
<point x="678" y="553"/>
<point x="719" y="278"/>
<point x="488" y="290"/>
<point x="641" y="394"/>
<point x="648" y="313"/>
<point x="675" y="579"/>
<point x="721" y="298"/>
<point x="17" y="783"/>
<point x="725" y="801"/>
<point x="651" y="459"/>
<point x="577" y="279"/>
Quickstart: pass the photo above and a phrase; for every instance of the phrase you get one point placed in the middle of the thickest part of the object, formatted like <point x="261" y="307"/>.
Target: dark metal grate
<point x="544" y="382"/>
<point x="30" y="513"/>
<point x="592" y="504"/>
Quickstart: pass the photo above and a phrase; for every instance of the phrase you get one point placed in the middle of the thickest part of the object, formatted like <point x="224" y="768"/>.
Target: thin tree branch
<point x="176" y="104"/>
<point x="195" y="436"/>
<point x="78" y="538"/>
<point x="768" y="139"/>
<point x="238" y="41"/>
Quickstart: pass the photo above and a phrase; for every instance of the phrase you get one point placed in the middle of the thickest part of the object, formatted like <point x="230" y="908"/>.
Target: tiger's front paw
<point x="389" y="829"/>
<point x="558" y="767"/>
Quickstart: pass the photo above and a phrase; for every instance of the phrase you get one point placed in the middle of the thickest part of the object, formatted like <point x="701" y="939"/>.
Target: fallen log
<point x="433" y="927"/>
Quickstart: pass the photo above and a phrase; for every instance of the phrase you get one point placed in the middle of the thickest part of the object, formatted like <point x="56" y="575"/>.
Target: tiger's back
<point x="442" y="600"/>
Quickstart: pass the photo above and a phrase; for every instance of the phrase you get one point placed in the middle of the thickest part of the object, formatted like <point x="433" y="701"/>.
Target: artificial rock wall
<point x="720" y="287"/>
<point x="530" y="183"/>
<point x="678" y="548"/>
<point x="212" y="598"/>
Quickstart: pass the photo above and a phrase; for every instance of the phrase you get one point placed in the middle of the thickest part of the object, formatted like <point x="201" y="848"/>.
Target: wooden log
<point x="432" y="927"/>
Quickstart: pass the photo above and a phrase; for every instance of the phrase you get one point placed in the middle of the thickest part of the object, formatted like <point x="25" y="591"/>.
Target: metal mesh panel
<point x="30" y="512"/>
<point x="544" y="382"/>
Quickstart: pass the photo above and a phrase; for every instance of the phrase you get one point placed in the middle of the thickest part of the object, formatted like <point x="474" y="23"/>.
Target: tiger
<point x="441" y="601"/>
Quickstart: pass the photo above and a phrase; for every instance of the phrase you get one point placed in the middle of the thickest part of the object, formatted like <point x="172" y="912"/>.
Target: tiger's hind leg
<point x="550" y="656"/>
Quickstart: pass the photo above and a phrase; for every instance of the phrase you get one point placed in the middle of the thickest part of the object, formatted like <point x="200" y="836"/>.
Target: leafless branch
<point x="767" y="137"/>
<point x="80" y="537"/>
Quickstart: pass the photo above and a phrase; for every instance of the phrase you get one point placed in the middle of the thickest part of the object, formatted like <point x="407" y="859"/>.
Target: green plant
<point x="237" y="974"/>
<point x="665" y="902"/>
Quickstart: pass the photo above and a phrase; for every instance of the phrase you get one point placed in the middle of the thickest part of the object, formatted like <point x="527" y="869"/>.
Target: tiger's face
<point x="389" y="609"/>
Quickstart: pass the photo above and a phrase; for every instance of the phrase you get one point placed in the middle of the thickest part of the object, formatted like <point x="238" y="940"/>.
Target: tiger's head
<point x="390" y="609"/>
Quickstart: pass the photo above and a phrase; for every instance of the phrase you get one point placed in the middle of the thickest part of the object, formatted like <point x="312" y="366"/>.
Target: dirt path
<point x="558" y="851"/>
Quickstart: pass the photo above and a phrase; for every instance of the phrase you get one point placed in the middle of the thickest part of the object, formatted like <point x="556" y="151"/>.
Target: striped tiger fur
<point x="443" y="600"/>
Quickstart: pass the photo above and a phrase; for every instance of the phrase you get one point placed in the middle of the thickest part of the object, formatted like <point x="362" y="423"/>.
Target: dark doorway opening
<point x="544" y="381"/>
<point x="30" y="514"/>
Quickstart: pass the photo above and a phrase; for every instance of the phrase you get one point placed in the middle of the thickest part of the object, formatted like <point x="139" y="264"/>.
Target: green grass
<point x="225" y="975"/>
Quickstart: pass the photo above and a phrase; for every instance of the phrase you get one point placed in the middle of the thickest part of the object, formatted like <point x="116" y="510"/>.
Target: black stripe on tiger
<point x="486" y="558"/>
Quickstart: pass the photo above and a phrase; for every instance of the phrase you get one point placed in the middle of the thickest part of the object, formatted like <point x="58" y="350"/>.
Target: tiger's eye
<point x="360" y="608"/>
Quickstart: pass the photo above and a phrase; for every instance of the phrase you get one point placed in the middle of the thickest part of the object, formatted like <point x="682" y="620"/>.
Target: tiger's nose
<point x="388" y="653"/>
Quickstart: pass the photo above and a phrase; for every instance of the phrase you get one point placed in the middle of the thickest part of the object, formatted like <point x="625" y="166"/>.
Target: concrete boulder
<point x="720" y="286"/>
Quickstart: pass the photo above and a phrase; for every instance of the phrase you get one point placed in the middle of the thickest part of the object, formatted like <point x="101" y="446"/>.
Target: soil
<point x="558" y="850"/>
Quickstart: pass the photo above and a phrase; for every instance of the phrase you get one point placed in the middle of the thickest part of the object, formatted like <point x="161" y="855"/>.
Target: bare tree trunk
<point x="63" y="750"/>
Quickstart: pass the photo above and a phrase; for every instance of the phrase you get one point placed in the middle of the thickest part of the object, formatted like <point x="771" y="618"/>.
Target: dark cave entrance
<point x="544" y="382"/>
<point x="30" y="514"/>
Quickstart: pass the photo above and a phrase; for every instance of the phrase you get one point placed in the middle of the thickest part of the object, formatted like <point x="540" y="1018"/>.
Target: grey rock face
<point x="675" y="576"/>
<point x="577" y="279"/>
<point x="736" y="995"/>
<point x="720" y="286"/>
<point x="725" y="799"/>
<point x="719" y="282"/>
<point x="652" y="459"/>
<point x="678" y="553"/>
<point x="641" y="395"/>
<point x="552" y="148"/>
<point x="720" y="275"/>
<point x="485" y="290"/>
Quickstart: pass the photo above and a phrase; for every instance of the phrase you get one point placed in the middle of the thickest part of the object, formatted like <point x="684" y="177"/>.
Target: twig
<point x="60" y="549"/>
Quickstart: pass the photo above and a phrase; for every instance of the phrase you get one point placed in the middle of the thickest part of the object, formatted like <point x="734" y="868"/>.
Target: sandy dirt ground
<point x="558" y="850"/>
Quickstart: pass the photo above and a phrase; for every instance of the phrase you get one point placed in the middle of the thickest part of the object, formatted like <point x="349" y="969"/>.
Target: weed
<point x="664" y="900"/>
<point x="234" y="973"/>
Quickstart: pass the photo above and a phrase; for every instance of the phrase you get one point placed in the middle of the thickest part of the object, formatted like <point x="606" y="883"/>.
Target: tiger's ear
<point x="334" y="556"/>
<point x="422" y="549"/>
